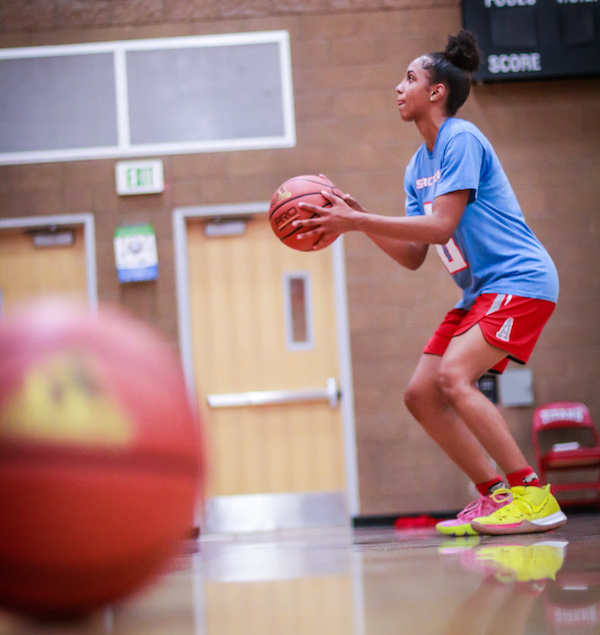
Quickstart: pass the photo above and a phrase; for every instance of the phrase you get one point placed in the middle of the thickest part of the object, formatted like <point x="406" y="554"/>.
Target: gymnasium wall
<point x="348" y="56"/>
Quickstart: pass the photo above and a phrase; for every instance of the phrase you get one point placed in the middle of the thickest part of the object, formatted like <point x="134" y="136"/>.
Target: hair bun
<point x="462" y="51"/>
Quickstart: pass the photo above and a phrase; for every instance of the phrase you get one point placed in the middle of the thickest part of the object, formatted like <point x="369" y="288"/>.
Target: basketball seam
<point x="289" y="200"/>
<point x="315" y="215"/>
<point x="302" y="245"/>
<point x="301" y="179"/>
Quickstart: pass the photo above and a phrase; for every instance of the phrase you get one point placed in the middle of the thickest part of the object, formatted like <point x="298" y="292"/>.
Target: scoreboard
<point x="529" y="39"/>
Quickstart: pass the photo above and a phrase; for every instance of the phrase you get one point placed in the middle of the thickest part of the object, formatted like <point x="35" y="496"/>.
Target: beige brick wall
<point x="348" y="55"/>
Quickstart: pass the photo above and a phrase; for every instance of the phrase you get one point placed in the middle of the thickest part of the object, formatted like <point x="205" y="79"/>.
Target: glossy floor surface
<point x="371" y="581"/>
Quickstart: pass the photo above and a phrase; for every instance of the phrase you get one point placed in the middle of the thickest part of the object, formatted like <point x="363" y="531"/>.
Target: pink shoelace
<point x="486" y="504"/>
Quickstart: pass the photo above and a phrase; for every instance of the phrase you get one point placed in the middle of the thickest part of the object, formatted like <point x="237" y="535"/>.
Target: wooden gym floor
<point x="368" y="581"/>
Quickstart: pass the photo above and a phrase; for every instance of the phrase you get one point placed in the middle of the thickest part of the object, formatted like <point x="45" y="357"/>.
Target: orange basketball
<point x="284" y="209"/>
<point x="101" y="459"/>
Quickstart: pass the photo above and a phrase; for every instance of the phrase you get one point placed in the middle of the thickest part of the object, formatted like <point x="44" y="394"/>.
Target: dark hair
<point x="453" y="68"/>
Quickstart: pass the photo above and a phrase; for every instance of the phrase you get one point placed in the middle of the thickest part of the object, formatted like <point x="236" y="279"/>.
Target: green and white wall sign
<point x="136" y="256"/>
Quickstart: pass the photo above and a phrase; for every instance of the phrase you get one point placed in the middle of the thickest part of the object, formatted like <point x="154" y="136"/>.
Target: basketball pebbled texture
<point x="284" y="210"/>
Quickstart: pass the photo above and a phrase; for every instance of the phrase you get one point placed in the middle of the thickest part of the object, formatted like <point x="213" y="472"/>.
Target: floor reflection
<point x="514" y="578"/>
<point x="364" y="582"/>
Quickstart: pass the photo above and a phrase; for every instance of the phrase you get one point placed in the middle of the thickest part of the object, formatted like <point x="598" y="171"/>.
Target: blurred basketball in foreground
<point x="100" y="458"/>
<point x="284" y="210"/>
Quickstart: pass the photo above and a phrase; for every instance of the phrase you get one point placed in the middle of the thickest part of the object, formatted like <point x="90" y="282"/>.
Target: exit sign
<point x="139" y="177"/>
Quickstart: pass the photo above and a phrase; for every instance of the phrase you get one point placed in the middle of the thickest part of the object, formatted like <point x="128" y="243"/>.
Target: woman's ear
<point x="437" y="92"/>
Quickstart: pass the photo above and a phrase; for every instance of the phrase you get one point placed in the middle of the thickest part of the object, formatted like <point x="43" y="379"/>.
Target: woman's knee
<point x="412" y="397"/>
<point x="450" y="383"/>
<point x="420" y="397"/>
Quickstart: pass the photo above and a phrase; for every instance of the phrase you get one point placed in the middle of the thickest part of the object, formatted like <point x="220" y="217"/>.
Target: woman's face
<point x="414" y="91"/>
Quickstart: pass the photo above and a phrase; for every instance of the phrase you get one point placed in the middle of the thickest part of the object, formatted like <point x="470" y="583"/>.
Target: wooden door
<point x="27" y="271"/>
<point x="263" y="319"/>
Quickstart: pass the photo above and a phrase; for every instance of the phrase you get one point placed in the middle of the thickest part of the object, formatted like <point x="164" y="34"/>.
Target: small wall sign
<point x="139" y="177"/>
<point x="135" y="253"/>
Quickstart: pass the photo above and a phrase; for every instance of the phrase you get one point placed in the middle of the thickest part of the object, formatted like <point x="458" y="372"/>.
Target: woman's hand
<point x="353" y="204"/>
<point x="349" y="200"/>
<point x="335" y="218"/>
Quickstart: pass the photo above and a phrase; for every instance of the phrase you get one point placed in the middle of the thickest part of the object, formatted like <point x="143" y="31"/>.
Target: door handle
<point x="330" y="394"/>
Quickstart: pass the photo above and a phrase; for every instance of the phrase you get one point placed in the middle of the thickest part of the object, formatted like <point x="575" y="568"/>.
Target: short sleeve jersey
<point x="492" y="250"/>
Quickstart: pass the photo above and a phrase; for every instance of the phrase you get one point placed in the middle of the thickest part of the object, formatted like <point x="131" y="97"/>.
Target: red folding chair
<point x="566" y="442"/>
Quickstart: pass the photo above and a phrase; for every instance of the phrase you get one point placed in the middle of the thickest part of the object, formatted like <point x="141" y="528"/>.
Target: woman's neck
<point x="429" y="127"/>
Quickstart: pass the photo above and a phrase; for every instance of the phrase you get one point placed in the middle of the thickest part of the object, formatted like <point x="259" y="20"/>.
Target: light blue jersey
<point x="492" y="249"/>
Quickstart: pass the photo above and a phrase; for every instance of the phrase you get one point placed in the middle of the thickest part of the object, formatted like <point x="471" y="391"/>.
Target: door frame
<point x="89" y="238"/>
<point x="237" y="210"/>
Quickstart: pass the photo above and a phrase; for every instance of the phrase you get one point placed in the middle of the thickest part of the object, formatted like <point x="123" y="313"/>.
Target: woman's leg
<point x="443" y="425"/>
<point x="532" y="508"/>
<point x="466" y="359"/>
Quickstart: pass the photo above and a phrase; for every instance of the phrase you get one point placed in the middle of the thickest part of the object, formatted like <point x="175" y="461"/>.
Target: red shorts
<point x="509" y="322"/>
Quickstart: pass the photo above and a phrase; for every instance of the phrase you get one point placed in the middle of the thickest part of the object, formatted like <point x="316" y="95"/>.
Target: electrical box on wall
<point x="530" y="39"/>
<point x="136" y="256"/>
<point x="516" y="388"/>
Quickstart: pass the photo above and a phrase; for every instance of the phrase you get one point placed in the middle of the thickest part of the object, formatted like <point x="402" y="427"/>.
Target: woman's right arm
<point x="408" y="254"/>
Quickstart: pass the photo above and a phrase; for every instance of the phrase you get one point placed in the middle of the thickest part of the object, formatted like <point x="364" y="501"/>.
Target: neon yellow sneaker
<point x="532" y="509"/>
<point x="485" y="505"/>
<point x="524" y="563"/>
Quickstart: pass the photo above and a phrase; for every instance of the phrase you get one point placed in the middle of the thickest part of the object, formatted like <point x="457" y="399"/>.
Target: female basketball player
<point x="459" y="199"/>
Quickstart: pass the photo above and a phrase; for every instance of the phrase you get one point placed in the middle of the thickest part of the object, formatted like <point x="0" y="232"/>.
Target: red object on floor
<point x="414" y="522"/>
